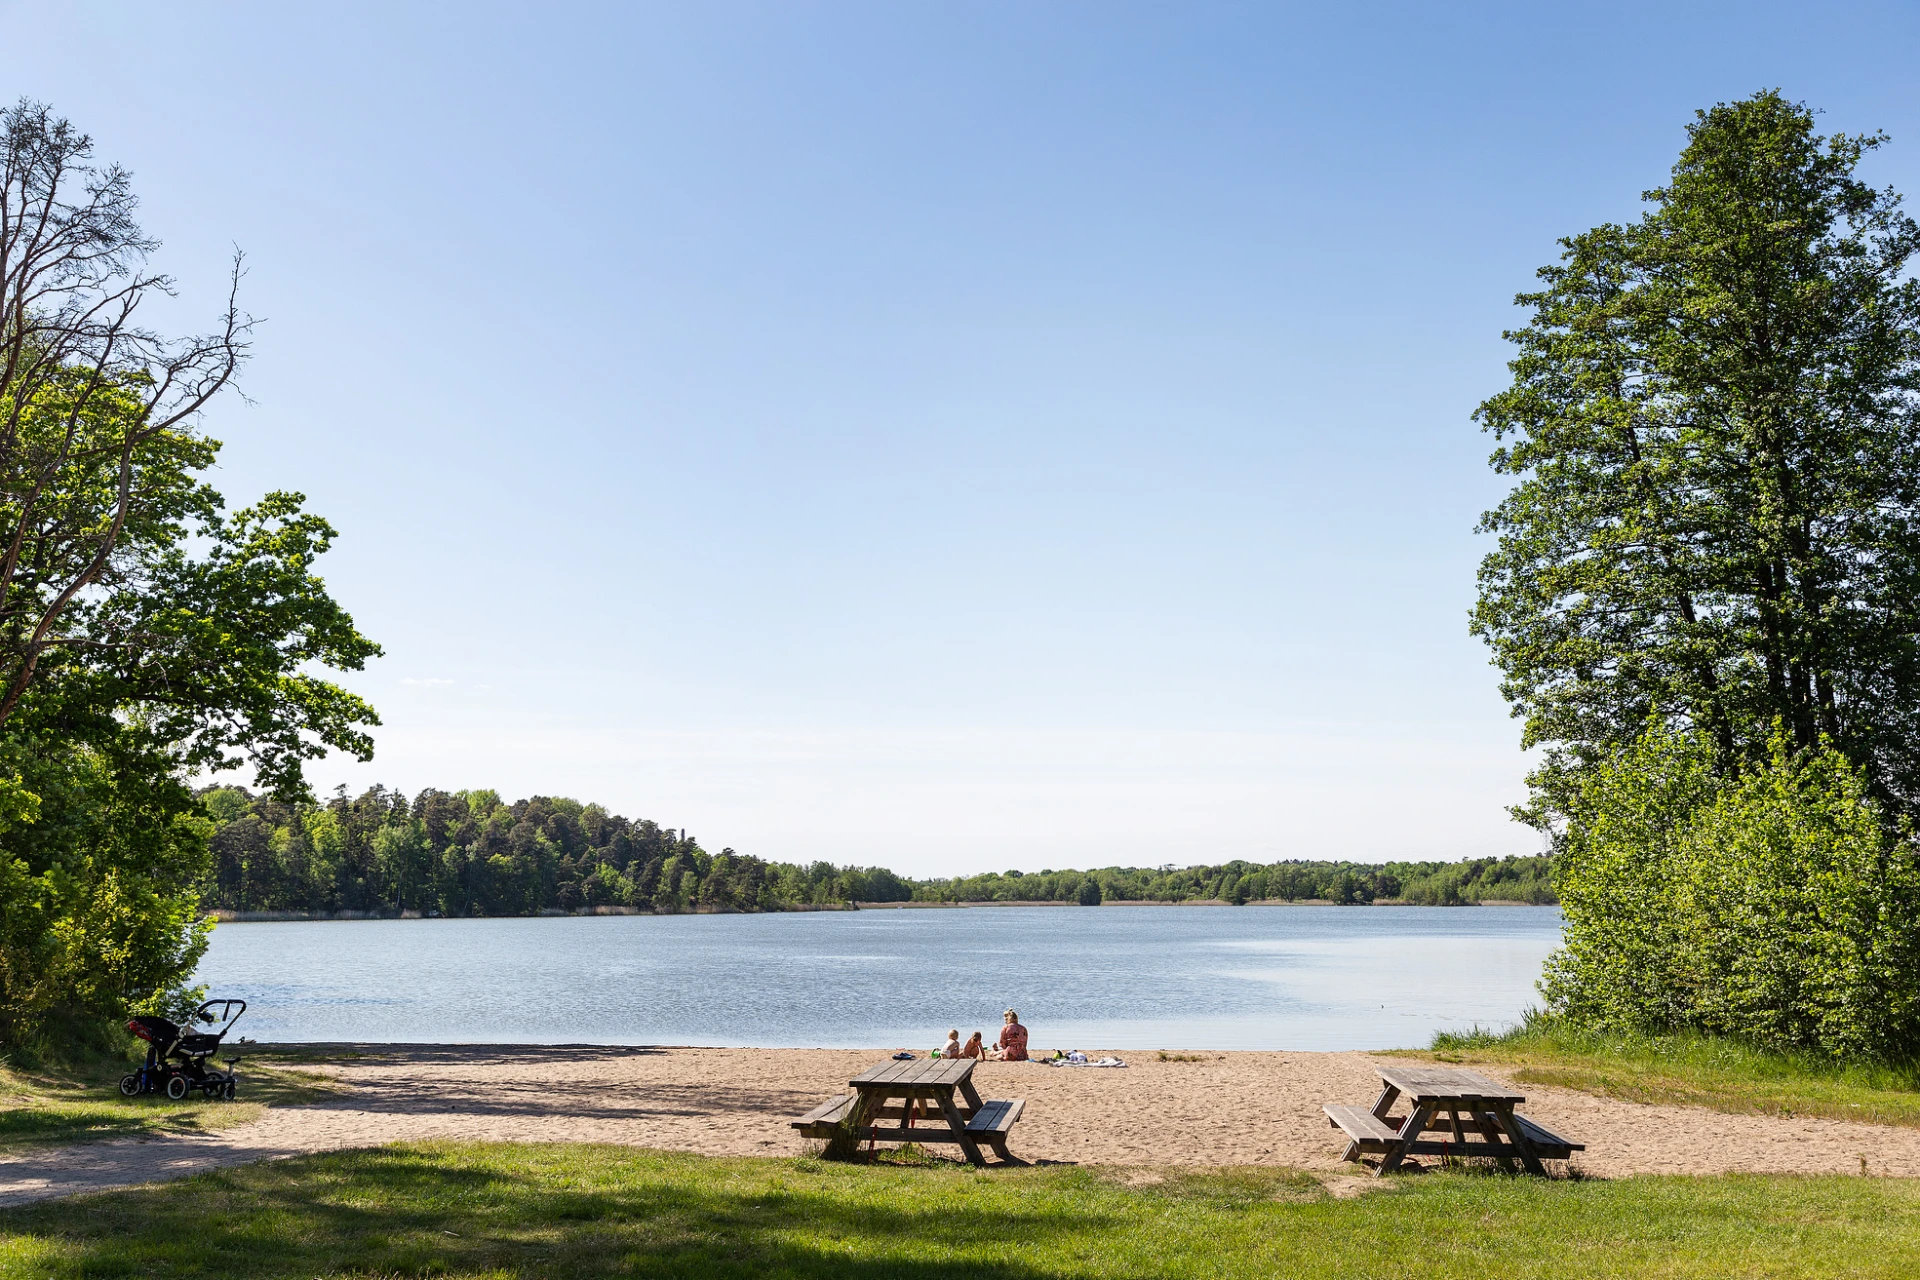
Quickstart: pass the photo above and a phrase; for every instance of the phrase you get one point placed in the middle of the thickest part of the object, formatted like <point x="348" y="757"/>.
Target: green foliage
<point x="1714" y="436"/>
<point x="144" y="633"/>
<point x="1509" y="879"/>
<point x="217" y="641"/>
<point x="501" y="1209"/>
<point x="209" y="626"/>
<point x="98" y="910"/>
<point x="1776" y="907"/>
<point x="468" y="853"/>
<point x="193" y="646"/>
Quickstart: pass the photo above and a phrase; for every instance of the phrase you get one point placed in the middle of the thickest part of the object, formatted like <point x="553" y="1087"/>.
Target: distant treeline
<point x="468" y="853"/>
<point x="1430" y="883"/>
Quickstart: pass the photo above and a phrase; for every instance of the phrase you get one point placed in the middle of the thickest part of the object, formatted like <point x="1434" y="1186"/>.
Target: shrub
<point x="1777" y="906"/>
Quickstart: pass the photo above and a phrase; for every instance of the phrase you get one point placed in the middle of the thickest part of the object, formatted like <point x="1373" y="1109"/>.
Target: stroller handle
<point x="228" y="1015"/>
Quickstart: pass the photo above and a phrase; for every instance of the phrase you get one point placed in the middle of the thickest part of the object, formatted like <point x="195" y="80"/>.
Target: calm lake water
<point x="1289" y="977"/>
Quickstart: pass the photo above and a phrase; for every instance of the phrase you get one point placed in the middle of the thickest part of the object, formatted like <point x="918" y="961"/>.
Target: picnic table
<point x="1479" y="1120"/>
<point x="921" y="1090"/>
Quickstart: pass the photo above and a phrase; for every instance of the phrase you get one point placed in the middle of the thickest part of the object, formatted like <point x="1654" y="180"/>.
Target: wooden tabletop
<point x="920" y="1071"/>
<point x="1446" y="1084"/>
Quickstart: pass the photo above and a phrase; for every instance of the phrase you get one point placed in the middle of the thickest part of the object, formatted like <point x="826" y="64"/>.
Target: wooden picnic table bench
<point x="921" y="1090"/>
<point x="1479" y="1120"/>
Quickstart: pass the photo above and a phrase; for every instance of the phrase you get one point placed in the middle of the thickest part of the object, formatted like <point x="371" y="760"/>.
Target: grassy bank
<point x="1696" y="1070"/>
<point x="54" y="1106"/>
<point x="496" y="1210"/>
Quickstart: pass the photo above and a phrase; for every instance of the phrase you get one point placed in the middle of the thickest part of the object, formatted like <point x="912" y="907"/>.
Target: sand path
<point x="1234" y="1108"/>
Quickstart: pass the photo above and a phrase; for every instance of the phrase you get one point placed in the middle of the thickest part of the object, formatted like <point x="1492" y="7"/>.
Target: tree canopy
<point x="1715" y="439"/>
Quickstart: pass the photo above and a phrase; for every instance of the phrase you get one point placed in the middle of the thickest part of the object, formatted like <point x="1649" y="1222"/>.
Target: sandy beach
<point x="1221" y="1109"/>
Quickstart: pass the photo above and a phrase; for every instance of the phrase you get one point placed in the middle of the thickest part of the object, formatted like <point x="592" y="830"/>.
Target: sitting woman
<point x="973" y="1047"/>
<point x="951" y="1049"/>
<point x="1013" y="1041"/>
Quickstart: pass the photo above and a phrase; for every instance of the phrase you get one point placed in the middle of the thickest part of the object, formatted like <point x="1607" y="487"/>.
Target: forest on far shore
<point x="469" y="853"/>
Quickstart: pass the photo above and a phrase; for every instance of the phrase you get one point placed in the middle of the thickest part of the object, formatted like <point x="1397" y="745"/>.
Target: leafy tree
<point x="144" y="633"/>
<point x="1713" y="430"/>
<point x="96" y="412"/>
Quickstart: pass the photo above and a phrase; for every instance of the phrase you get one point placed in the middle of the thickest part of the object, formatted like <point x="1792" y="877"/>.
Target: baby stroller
<point x="177" y="1056"/>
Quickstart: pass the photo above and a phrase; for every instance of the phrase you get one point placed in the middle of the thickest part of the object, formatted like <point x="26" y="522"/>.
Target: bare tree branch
<point x="73" y="276"/>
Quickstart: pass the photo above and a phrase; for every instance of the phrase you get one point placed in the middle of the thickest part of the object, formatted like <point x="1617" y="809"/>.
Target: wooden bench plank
<point x="1447" y="1084"/>
<point x="1546" y="1141"/>
<point x="923" y="1133"/>
<point x="996" y="1115"/>
<point x="826" y="1115"/>
<point x="1366" y="1129"/>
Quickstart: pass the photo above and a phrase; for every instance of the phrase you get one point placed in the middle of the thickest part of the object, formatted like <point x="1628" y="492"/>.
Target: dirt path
<point x="1235" y="1108"/>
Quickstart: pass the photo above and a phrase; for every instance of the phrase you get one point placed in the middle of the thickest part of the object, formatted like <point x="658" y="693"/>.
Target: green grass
<point x="53" y="1107"/>
<point x="503" y="1210"/>
<point x="1692" y="1069"/>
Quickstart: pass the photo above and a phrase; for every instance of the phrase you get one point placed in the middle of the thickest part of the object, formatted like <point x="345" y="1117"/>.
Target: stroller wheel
<point x="177" y="1088"/>
<point x="227" y="1093"/>
<point x="129" y="1085"/>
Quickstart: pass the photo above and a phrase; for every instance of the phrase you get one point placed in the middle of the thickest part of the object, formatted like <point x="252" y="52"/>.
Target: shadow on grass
<point x="46" y="1110"/>
<point x="557" y="1210"/>
<point x="522" y="1211"/>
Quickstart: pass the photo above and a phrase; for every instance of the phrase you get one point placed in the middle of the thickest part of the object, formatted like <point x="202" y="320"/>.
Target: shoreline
<point x="1196" y="1110"/>
<point x="224" y="915"/>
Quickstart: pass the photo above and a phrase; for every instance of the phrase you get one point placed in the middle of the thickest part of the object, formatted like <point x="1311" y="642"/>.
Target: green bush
<point x="1776" y="906"/>
<point x="99" y="915"/>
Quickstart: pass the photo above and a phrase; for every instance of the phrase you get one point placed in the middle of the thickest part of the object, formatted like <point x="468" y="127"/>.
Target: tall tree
<point x="89" y="396"/>
<point x="145" y="634"/>
<point x="1714" y="427"/>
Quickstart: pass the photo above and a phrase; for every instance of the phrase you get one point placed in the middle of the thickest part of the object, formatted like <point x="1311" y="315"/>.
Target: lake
<point x="1257" y="977"/>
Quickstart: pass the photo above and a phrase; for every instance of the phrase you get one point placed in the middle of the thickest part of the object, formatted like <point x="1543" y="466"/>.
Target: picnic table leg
<point x="1490" y="1130"/>
<point x="1410" y="1132"/>
<point x="853" y="1127"/>
<point x="968" y="1147"/>
<point x="971" y="1094"/>
<point x="1528" y="1156"/>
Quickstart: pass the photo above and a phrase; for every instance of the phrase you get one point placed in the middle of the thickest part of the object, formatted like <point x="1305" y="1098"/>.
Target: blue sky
<point x="951" y="437"/>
